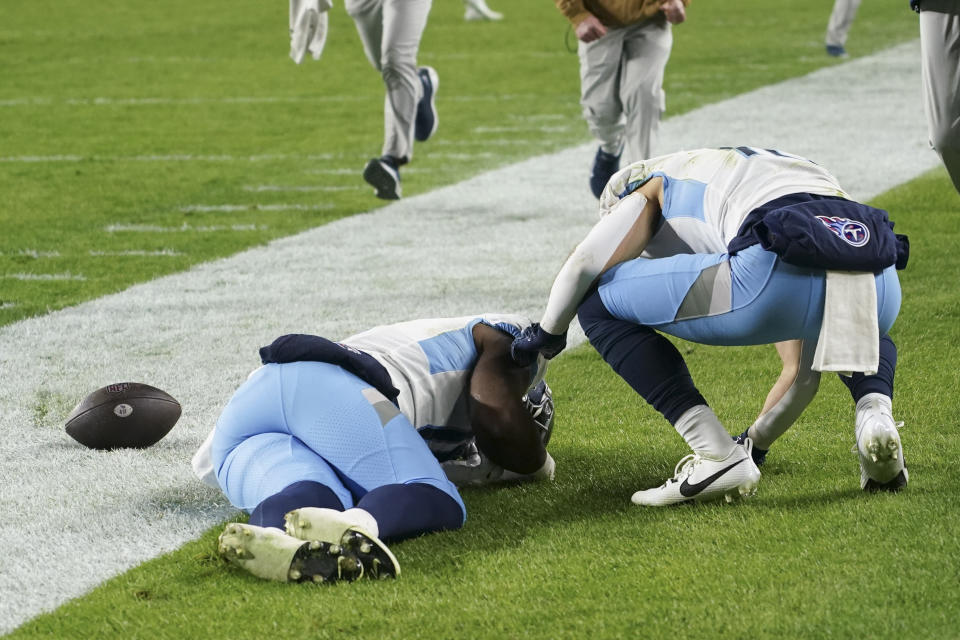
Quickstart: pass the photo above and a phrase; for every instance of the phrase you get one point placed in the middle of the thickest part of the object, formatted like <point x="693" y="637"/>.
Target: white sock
<point x="701" y="429"/>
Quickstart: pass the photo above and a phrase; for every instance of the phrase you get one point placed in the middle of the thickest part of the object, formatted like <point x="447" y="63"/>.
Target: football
<point x="123" y="415"/>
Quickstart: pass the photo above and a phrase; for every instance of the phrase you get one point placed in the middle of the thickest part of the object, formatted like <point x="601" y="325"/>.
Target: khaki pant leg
<point x="600" y="89"/>
<point x="645" y="53"/>
<point x="841" y="18"/>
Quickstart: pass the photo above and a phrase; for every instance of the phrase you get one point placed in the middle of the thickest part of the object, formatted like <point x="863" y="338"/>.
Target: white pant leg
<point x="940" y="50"/>
<point x="646" y="50"/>
<point x="600" y="89"/>
<point x="391" y="31"/>
<point x="368" y="16"/>
<point x="844" y="11"/>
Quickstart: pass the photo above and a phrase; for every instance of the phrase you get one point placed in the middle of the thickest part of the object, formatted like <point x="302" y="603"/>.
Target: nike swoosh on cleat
<point x="688" y="490"/>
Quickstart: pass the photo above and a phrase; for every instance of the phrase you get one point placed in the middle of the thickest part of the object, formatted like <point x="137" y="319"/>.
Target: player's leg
<point x="260" y="466"/>
<point x="940" y="47"/>
<point x="878" y="442"/>
<point x="403" y="25"/>
<point x="838" y="26"/>
<point x="375" y="450"/>
<point x="600" y="101"/>
<point x="261" y="547"/>
<point x="654" y="368"/>
<point x="645" y="53"/>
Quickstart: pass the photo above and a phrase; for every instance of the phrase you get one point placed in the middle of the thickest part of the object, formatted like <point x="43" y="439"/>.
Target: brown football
<point x="126" y="414"/>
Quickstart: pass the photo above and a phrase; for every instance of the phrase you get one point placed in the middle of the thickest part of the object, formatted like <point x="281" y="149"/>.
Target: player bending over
<point x="736" y="247"/>
<point x="335" y="448"/>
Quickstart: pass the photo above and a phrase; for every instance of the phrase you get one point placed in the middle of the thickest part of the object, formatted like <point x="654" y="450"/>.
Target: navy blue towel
<point x="299" y="347"/>
<point x="824" y="232"/>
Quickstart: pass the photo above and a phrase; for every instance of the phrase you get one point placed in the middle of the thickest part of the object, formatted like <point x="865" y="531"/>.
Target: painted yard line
<point x="196" y="333"/>
<point x="513" y="141"/>
<point x="527" y="129"/>
<point x="185" y="157"/>
<point x="153" y="228"/>
<point x="305" y="188"/>
<point x="230" y="208"/>
<point x="135" y="252"/>
<point x="43" y="276"/>
<point x="152" y="101"/>
<point x="33" y="253"/>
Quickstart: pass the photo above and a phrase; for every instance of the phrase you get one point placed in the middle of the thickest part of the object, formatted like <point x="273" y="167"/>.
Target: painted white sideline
<point x="73" y="518"/>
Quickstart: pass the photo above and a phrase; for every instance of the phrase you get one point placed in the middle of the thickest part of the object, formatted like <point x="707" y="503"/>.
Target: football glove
<point x="534" y="340"/>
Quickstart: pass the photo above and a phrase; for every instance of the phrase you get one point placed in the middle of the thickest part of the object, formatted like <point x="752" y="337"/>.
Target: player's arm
<point x="505" y="431"/>
<point x="620" y="235"/>
<point x="790" y="394"/>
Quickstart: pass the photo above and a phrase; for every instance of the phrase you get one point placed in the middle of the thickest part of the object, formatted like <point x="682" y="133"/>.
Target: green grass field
<point x="115" y="121"/>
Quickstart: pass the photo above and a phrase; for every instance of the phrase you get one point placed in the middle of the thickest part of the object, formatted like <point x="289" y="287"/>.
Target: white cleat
<point x="878" y="445"/>
<point x="478" y="10"/>
<point x="699" y="478"/>
<point x="347" y="530"/>
<point x="271" y="554"/>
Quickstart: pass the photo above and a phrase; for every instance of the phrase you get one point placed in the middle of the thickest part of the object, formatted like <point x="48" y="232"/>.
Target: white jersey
<point x="430" y="362"/>
<point x="709" y="192"/>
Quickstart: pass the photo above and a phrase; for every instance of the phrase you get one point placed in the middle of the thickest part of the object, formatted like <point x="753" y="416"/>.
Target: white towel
<point x="308" y="28"/>
<point x="849" y="337"/>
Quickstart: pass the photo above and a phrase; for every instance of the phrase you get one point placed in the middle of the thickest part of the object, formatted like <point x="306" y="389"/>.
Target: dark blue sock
<point x="306" y="493"/>
<point x="649" y="362"/>
<point x="408" y="510"/>
<point x="882" y="381"/>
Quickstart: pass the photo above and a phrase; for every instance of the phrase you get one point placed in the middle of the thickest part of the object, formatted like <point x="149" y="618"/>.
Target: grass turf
<point x="811" y="556"/>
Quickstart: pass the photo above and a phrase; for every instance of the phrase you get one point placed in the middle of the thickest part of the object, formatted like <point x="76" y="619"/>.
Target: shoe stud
<point x="874" y="457"/>
<point x="294" y="574"/>
<point x="365" y="547"/>
<point x="334" y="549"/>
<point x="314" y="545"/>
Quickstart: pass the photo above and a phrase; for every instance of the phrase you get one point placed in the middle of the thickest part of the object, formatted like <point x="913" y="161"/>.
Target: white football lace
<point x="685" y="467"/>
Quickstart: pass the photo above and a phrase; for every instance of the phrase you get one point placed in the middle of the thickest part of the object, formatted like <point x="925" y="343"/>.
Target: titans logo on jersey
<point x="852" y="232"/>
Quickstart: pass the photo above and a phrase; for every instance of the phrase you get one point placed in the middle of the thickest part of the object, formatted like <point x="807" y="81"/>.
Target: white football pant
<point x="391" y="32"/>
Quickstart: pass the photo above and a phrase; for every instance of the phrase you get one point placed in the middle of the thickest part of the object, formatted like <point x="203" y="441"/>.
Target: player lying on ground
<point x="708" y="246"/>
<point x="336" y="448"/>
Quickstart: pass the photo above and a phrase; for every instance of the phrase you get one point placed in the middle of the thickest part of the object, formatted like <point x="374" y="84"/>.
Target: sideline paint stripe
<point x="196" y="334"/>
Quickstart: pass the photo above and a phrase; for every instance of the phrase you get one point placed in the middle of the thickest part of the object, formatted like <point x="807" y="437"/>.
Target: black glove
<point x="534" y="340"/>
